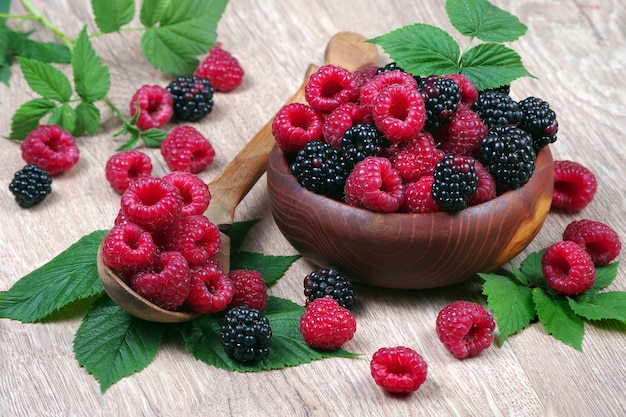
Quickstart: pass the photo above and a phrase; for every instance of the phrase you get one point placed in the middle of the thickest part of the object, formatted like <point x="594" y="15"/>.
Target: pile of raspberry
<point x="382" y="139"/>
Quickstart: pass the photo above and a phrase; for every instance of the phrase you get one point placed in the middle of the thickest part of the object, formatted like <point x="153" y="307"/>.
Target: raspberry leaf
<point x="153" y="138"/>
<point x="150" y="12"/>
<point x="64" y="116"/>
<point x="272" y="267"/>
<point x="46" y="80"/>
<point x="111" y="15"/>
<point x="91" y="78"/>
<point x="27" y="117"/>
<point x="605" y="275"/>
<point x="492" y="64"/>
<point x="481" y="19"/>
<point x="87" y="118"/>
<point x="602" y="306"/>
<point x="530" y="268"/>
<point x="21" y="45"/>
<point x="558" y="318"/>
<point x="238" y="232"/>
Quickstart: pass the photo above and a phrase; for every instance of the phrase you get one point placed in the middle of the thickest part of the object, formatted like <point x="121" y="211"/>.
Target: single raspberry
<point x="574" y="186"/>
<point x="195" y="237"/>
<point x="441" y="98"/>
<point x="329" y="282"/>
<point x="418" y="196"/>
<point x="221" y="68"/>
<point x="455" y="181"/>
<point x="186" y="149"/>
<point x="165" y="282"/>
<point x="497" y="108"/>
<point x="250" y="289"/>
<point x="568" y="268"/>
<point x="464" y="133"/>
<point x="124" y="167"/>
<point x="152" y="203"/>
<point x="295" y="125"/>
<point x="468" y="91"/>
<point x="374" y="184"/>
<point x="363" y="140"/>
<point x="211" y="289"/>
<point x="155" y="106"/>
<point x="399" y="369"/>
<point x="539" y="120"/>
<point x="369" y="91"/>
<point x="329" y="87"/>
<point x="193" y="190"/>
<point x="487" y="187"/>
<point x="342" y="119"/>
<point x="399" y="112"/>
<point x="30" y="186"/>
<point x="192" y="97"/>
<point x="597" y="238"/>
<point x="321" y="168"/>
<point x="246" y="334"/>
<point x="415" y="144"/>
<point x="326" y="325"/>
<point x="465" y="328"/>
<point x="412" y="165"/>
<point x="51" y="148"/>
<point x="363" y="75"/>
<point x="128" y="247"/>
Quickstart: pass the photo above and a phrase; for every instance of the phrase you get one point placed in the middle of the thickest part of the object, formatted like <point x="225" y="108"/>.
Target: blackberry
<point x="192" y="97"/>
<point x="504" y="89"/>
<point x="497" y="108"/>
<point x="329" y="282"/>
<point x="389" y="67"/>
<point x="508" y="154"/>
<point x="539" y="120"/>
<point x="441" y="99"/>
<point x="321" y="168"/>
<point x="361" y="140"/>
<point x="246" y="334"/>
<point x="455" y="181"/>
<point x="31" y="185"/>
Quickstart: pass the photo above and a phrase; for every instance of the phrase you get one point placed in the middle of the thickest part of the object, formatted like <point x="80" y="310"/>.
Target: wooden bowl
<point x="411" y="251"/>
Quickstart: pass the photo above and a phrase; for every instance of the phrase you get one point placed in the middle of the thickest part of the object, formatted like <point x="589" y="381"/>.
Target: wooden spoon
<point x="345" y="49"/>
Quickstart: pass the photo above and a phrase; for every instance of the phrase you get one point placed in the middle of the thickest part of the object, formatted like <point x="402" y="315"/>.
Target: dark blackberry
<point x="246" y="334"/>
<point x="504" y="89"/>
<point x="455" y="181"/>
<point x="192" y="97"/>
<point x="539" y="120"/>
<point x="31" y="185"/>
<point x="329" y="282"/>
<point x="441" y="99"/>
<point x="497" y="108"/>
<point x="321" y="168"/>
<point x="389" y="67"/>
<point x="362" y="140"/>
<point x="507" y="153"/>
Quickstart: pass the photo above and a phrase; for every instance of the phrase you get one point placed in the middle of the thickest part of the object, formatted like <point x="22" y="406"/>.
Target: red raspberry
<point x="418" y="196"/>
<point x="598" y="239"/>
<point x="415" y="144"/>
<point x="369" y="91"/>
<point x="193" y="190"/>
<point x="363" y="75"/>
<point x="464" y="133"/>
<point x="342" y="119"/>
<point x="326" y="325"/>
<point x="222" y="69"/>
<point x="469" y="92"/>
<point x="295" y="125"/>
<point x="399" y="369"/>
<point x="128" y="247"/>
<point x="465" y="328"/>
<point x="211" y="289"/>
<point x="152" y="203"/>
<point x="155" y="106"/>
<point x="414" y="165"/>
<point x="195" y="237"/>
<point x="486" y="186"/>
<point x="124" y="167"/>
<point x="399" y="112"/>
<point x="374" y="184"/>
<point x="568" y="268"/>
<point x="164" y="283"/>
<point x="185" y="149"/>
<point x="250" y="289"/>
<point x="329" y="87"/>
<point x="574" y="186"/>
<point x="51" y="148"/>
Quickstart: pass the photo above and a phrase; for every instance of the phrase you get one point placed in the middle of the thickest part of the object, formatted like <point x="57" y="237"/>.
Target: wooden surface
<point x="578" y="52"/>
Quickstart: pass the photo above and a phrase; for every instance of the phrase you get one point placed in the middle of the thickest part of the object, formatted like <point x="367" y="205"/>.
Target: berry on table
<point x="192" y="97"/>
<point x="295" y="125"/>
<point x="51" y="148"/>
<point x="193" y="190"/>
<point x="399" y="112"/>
<point x="211" y="290"/>
<point x="568" y="268"/>
<point x="250" y="289"/>
<point x="398" y="369"/>
<point x="441" y="97"/>
<point x="597" y="238"/>
<point x="326" y="325"/>
<point x="321" y="168"/>
<point x="128" y="247"/>
<point x="221" y="68"/>
<point x="30" y="186"/>
<point x="539" y="120"/>
<point x="195" y="237"/>
<point x="329" y="282"/>
<point x="465" y="328"/>
<point x="246" y="334"/>
<point x="186" y="149"/>
<point x="455" y="181"/>
<point x="374" y="184"/>
<point x="329" y="87"/>
<point x="152" y="203"/>
<point x="155" y="106"/>
<point x="124" y="167"/>
<point x="574" y="186"/>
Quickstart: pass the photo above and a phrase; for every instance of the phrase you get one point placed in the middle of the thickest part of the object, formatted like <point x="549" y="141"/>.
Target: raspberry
<point x="124" y="167"/>
<point x="221" y="68"/>
<point x="250" y="289"/>
<point x="464" y="133"/>
<point x="192" y="97"/>
<point x="128" y="247"/>
<point x="155" y="106"/>
<point x="598" y="239"/>
<point x="418" y="196"/>
<point x="467" y="89"/>
<point x="374" y="184"/>
<point x="415" y="144"/>
<point x="164" y="283"/>
<point x="441" y="98"/>
<point x="539" y="120"/>
<point x="417" y="163"/>
<point x="399" y="369"/>
<point x="195" y="237"/>
<point x="50" y="148"/>
<point x="363" y="75"/>
<point x="186" y="149"/>
<point x="321" y="168"/>
<point x="30" y="186"/>
<point x="370" y="90"/>
<point x="574" y="186"/>
<point x="329" y="87"/>
<point x="194" y="192"/>
<point x="486" y="186"/>
<point x="295" y="125"/>
<point x="497" y="108"/>
<point x="152" y="203"/>
<point x="329" y="282"/>
<point x="326" y="325"/>
<point x="568" y="268"/>
<point x="211" y="290"/>
<point x="246" y="334"/>
<point x="340" y="120"/>
<point x="399" y="112"/>
<point x="362" y="140"/>
<point x="465" y="328"/>
<point x="455" y="181"/>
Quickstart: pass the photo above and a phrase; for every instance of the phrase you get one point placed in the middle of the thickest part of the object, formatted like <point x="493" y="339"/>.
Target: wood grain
<point x="577" y="51"/>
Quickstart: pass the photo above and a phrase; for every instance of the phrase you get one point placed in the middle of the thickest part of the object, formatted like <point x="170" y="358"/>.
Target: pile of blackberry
<point x="192" y="97"/>
<point x="246" y="334"/>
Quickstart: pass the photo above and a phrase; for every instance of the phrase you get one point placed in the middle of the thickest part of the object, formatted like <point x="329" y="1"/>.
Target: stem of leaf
<point x="41" y="19"/>
<point x="115" y="110"/>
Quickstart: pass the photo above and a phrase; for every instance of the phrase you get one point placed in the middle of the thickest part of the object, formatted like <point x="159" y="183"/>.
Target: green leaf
<point x="5" y="5"/>
<point x="128" y="128"/>
<point x="91" y="78"/>
<point x="87" y="119"/>
<point x="605" y="275"/>
<point x="602" y="306"/>
<point x="483" y="20"/>
<point x="287" y="347"/>
<point x="272" y="267"/>
<point x="111" y="344"/>
<point x="46" y="80"/>
<point x="421" y="49"/>
<point x="558" y="319"/>
<point x="531" y="269"/>
<point x="237" y="233"/>
<point x="111" y="15"/>
<point x="64" y="116"/>
<point x="153" y="138"/>
<point x="27" y="117"/>
<point x="150" y="12"/>
<point x="490" y="65"/>
<point x="512" y="305"/>
<point x="40" y="51"/>
<point x="72" y="275"/>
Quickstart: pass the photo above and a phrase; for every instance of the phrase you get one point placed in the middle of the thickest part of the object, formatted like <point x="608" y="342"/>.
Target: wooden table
<point x="578" y="52"/>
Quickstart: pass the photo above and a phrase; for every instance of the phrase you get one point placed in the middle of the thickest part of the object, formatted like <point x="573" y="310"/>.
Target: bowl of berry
<point x="410" y="182"/>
